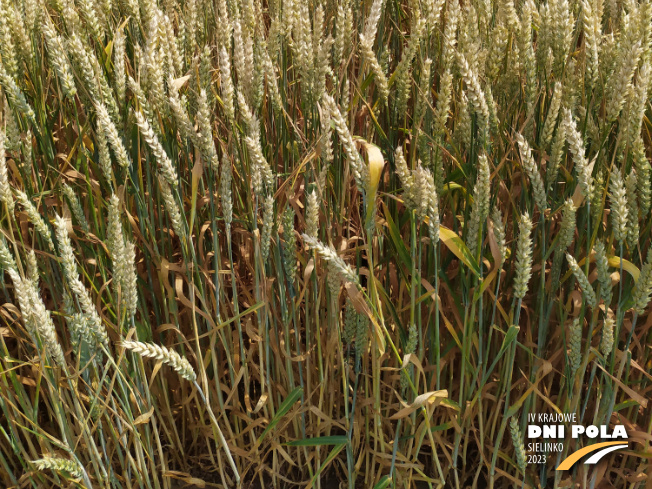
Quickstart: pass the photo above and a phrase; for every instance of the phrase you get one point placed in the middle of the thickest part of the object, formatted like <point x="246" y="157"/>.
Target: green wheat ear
<point x="585" y="285"/>
<point x="604" y="278"/>
<point x="575" y="342"/>
<point x="607" y="341"/>
<point x="517" y="441"/>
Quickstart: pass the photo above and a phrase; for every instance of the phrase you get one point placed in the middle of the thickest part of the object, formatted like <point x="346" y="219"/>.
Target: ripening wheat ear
<point x="523" y="257"/>
<point x="35" y="218"/>
<point x="165" y="164"/>
<point x="405" y="177"/>
<point x="567" y="229"/>
<point x="15" y="95"/>
<point x="171" y="206"/>
<point x="180" y="115"/>
<point x="76" y="285"/>
<point x="123" y="256"/>
<point x="553" y="114"/>
<point x="475" y="93"/>
<point x="205" y="129"/>
<point x="369" y="56"/>
<point x="169" y="357"/>
<point x="119" y="65"/>
<point x="450" y="37"/>
<point x="5" y="189"/>
<point x="419" y="193"/>
<point x="111" y="133"/>
<point x="360" y="170"/>
<point x="643" y="287"/>
<point x="633" y="229"/>
<point x="532" y="171"/>
<point x="288" y="258"/>
<point x="268" y="224"/>
<point x="66" y="466"/>
<point x="499" y="234"/>
<point x="644" y="174"/>
<point x="592" y="34"/>
<point x="76" y="207"/>
<point x="6" y="258"/>
<point x="620" y="81"/>
<point x="618" y="206"/>
<point x="36" y="317"/>
<point x="312" y="214"/>
<point x="226" y="84"/>
<point x="58" y="58"/>
<point x="480" y="211"/>
<point x="577" y="149"/>
<point x="424" y="97"/>
<point x="330" y="255"/>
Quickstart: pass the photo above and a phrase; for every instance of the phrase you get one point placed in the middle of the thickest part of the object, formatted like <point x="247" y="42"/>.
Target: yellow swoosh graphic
<point x="574" y="457"/>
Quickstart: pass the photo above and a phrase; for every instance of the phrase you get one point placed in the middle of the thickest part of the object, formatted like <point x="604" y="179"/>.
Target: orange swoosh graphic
<point x="574" y="457"/>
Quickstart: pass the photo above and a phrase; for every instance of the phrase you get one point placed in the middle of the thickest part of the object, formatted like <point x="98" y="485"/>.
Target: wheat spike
<point x="170" y="357"/>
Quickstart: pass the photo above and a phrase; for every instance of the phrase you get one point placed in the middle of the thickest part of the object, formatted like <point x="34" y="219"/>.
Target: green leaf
<point x="282" y="410"/>
<point x="333" y="453"/>
<point x="319" y="441"/>
<point x="512" y="332"/>
<point x="383" y="482"/>
<point x="397" y="241"/>
<point x="510" y="336"/>
<point x="625" y="405"/>
<point x="249" y="310"/>
<point x="442" y="427"/>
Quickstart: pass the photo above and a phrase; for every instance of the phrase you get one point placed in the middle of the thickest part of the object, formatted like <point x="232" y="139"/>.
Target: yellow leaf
<point x="376" y="164"/>
<point x="454" y="243"/>
<point x="424" y="400"/>
<point x="144" y="418"/>
<point x="614" y="261"/>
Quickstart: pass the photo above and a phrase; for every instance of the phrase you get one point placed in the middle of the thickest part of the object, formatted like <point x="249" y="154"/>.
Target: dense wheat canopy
<point x="322" y="243"/>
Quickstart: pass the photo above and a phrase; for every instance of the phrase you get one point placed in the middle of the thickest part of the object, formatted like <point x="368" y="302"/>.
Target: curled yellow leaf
<point x="424" y="400"/>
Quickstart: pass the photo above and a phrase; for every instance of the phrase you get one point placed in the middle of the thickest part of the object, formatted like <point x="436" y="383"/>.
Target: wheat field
<point x="322" y="243"/>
